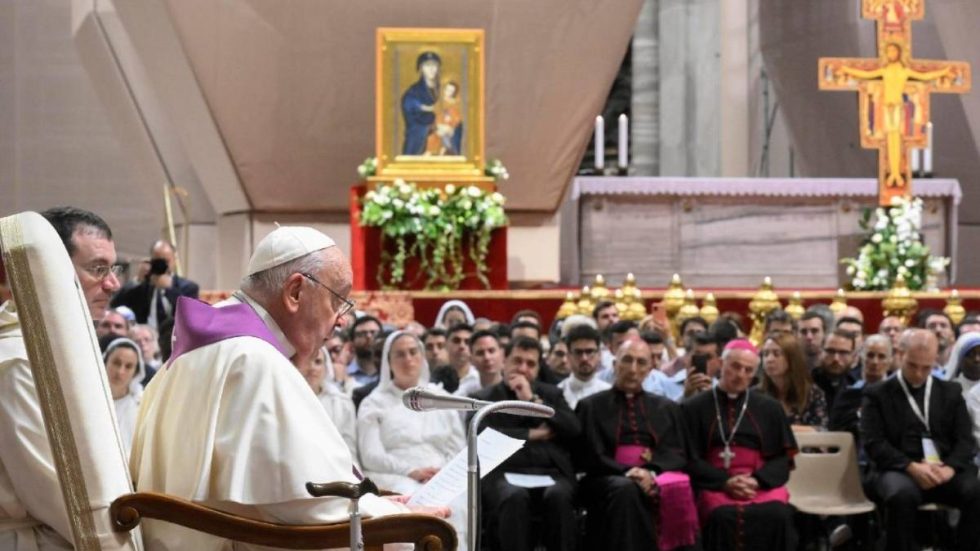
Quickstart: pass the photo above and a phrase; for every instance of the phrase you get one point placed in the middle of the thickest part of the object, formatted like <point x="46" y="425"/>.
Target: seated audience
<point x="558" y="362"/>
<point x="940" y="324"/>
<point x="604" y="315"/>
<point x="703" y="366"/>
<point x="454" y="312"/>
<point x="583" y="349"/>
<point x="458" y="376"/>
<point x="963" y="366"/>
<point x="488" y="359"/>
<point x="435" y="347"/>
<point x="742" y="448"/>
<point x="786" y="378"/>
<point x="891" y="327"/>
<point x="508" y="508"/>
<point x="401" y="450"/>
<point x="526" y="315"/>
<point x="363" y="369"/>
<point x="113" y="323"/>
<point x="812" y="330"/>
<point x="778" y="321"/>
<point x="377" y="347"/>
<point x="613" y="337"/>
<point x="339" y="406"/>
<point x="877" y="358"/>
<point x="125" y="369"/>
<point x="629" y="439"/>
<point x="689" y="329"/>
<point x="525" y="329"/>
<point x="833" y="373"/>
<point x="918" y="436"/>
<point x="855" y="327"/>
<point x="503" y="333"/>
<point x="147" y="338"/>
<point x="969" y="324"/>
<point x="339" y="349"/>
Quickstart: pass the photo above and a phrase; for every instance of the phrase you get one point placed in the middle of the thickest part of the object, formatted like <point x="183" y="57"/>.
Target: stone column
<point x="645" y="123"/>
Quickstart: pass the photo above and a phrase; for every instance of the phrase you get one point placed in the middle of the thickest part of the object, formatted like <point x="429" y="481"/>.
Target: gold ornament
<point x="673" y="300"/>
<point x="764" y="301"/>
<point x="839" y="303"/>
<point x="795" y="308"/>
<point x="599" y="290"/>
<point x="585" y="304"/>
<point x="899" y="302"/>
<point x="688" y="310"/>
<point x="954" y="307"/>
<point x="709" y="310"/>
<point x="636" y="310"/>
<point x="567" y="308"/>
<point x="622" y="304"/>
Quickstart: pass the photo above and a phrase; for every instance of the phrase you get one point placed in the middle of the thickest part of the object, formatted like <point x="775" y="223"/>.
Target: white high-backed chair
<point x="80" y="420"/>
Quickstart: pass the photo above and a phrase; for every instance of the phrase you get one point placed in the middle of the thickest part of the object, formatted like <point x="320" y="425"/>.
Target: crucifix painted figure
<point x="894" y="91"/>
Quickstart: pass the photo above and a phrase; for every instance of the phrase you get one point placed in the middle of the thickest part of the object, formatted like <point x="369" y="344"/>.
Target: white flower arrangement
<point x="893" y="247"/>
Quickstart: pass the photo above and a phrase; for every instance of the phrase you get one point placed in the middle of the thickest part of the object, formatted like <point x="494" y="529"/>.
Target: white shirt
<point x="32" y="510"/>
<point x="469" y="383"/>
<point x="234" y="425"/>
<point x="575" y="389"/>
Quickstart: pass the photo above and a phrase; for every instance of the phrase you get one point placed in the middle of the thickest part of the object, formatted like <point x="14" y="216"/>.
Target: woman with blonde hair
<point x="786" y="378"/>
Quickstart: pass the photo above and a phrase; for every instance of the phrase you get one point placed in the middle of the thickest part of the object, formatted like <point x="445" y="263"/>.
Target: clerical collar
<point x="241" y="297"/>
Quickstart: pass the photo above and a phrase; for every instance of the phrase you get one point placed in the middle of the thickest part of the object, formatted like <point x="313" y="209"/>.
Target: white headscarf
<point x="385" y="381"/>
<point x="440" y="317"/>
<point x="966" y="342"/>
<point x="136" y="383"/>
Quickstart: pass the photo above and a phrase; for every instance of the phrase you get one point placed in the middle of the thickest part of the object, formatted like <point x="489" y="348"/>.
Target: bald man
<point x="918" y="435"/>
<point x="154" y="299"/>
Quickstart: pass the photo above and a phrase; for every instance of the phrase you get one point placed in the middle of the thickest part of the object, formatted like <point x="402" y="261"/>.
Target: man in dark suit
<point x="508" y="507"/>
<point x="154" y="298"/>
<point x="917" y="433"/>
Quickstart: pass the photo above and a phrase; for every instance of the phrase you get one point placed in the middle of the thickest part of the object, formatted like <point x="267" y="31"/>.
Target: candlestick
<point x="624" y="141"/>
<point x="927" y="154"/>
<point x="600" y="145"/>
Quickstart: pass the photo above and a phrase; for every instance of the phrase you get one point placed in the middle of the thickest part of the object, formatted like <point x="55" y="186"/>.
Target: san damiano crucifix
<point x="893" y="91"/>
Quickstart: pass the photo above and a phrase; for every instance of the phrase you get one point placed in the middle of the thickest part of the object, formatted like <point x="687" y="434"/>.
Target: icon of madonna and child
<point x="432" y="111"/>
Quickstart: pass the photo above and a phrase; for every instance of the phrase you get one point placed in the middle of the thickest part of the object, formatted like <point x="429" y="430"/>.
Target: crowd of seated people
<point x="705" y="424"/>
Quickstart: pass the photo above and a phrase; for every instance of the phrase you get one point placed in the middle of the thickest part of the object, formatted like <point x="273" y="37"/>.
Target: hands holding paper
<point x="423" y="475"/>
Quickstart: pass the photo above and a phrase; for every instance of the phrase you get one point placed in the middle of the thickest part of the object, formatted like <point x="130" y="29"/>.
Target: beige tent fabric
<point x="291" y="86"/>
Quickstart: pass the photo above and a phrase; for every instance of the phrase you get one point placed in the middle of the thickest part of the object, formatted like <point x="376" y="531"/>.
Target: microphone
<point x="420" y="399"/>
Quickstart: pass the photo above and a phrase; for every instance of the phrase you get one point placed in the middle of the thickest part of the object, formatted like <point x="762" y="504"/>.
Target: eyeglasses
<point x="102" y="271"/>
<point x="348" y="303"/>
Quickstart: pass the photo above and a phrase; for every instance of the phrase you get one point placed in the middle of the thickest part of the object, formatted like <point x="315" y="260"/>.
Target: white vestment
<point x="127" y="409"/>
<point x="575" y="389"/>
<point x="394" y="441"/>
<point x="234" y="425"/>
<point x="32" y="509"/>
<point x="340" y="409"/>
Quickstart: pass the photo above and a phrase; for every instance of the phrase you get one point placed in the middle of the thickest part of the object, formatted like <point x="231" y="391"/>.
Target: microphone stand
<point x="511" y="407"/>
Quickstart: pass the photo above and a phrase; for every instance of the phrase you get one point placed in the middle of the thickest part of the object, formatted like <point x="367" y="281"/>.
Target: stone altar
<point x="731" y="232"/>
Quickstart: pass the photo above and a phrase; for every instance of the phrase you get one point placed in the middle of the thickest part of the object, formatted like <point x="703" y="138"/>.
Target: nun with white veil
<point x="452" y="313"/>
<point x="401" y="449"/>
<point x="125" y="370"/>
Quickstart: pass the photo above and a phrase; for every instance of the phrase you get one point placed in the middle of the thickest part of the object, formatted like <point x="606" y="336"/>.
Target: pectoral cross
<point x="893" y="91"/>
<point x="726" y="455"/>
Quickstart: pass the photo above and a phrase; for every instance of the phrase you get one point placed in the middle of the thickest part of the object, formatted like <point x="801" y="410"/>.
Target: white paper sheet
<point x="492" y="447"/>
<point x="529" y="480"/>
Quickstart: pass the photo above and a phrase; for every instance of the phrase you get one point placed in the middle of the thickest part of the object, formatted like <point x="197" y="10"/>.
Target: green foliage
<point x="436" y="227"/>
<point x="892" y="246"/>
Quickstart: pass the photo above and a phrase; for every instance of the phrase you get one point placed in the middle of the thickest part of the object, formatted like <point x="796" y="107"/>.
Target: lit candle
<point x="600" y="145"/>
<point x="624" y="141"/>
<point x="927" y="154"/>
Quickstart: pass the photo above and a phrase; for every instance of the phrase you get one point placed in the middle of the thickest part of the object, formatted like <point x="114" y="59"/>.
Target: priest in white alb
<point x="229" y="422"/>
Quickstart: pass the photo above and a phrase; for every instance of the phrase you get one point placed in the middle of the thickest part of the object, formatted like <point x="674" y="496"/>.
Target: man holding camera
<point x="154" y="297"/>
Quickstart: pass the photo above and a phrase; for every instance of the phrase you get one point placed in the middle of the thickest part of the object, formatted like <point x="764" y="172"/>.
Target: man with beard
<point x="833" y="374"/>
<point x="941" y="326"/>
<point x="363" y="368"/>
<point x="812" y="332"/>
<point x="583" y="349"/>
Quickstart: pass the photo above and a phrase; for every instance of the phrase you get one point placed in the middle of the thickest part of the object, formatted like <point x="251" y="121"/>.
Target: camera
<point x="158" y="266"/>
<point x="700" y="363"/>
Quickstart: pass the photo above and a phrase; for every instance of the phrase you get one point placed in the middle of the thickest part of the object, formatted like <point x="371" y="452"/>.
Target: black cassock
<point x="621" y="516"/>
<point x="763" y="447"/>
